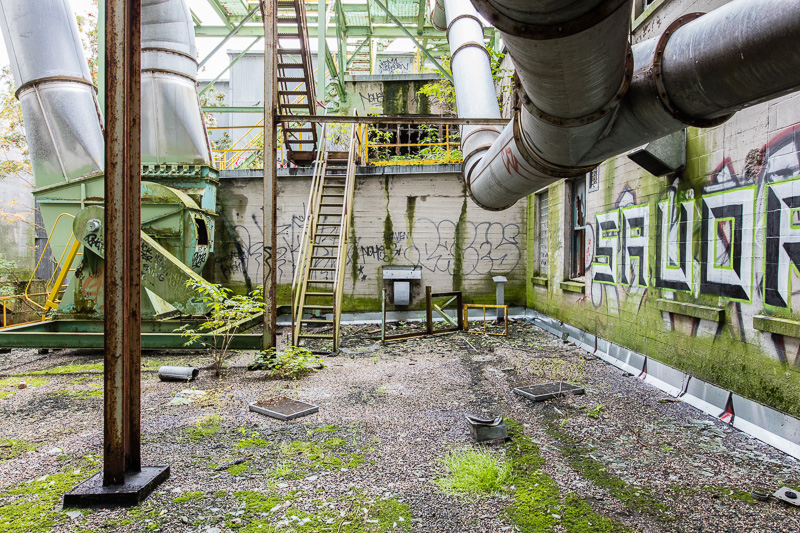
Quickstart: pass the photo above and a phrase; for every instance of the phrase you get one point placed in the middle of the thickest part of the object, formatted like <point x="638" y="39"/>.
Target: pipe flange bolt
<point x="93" y="225"/>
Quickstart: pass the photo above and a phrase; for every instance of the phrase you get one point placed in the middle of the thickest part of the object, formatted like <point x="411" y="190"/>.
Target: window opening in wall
<point x="396" y="143"/>
<point x="542" y="251"/>
<point x="578" y="238"/>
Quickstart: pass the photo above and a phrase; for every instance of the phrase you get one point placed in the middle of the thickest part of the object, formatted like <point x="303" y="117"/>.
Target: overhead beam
<point x="227" y="68"/>
<point x="427" y="54"/>
<point x="221" y="14"/>
<point x="231" y="33"/>
<point x="421" y="17"/>
<point x="378" y="30"/>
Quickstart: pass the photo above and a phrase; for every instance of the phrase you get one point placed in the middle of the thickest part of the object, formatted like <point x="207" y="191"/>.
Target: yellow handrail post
<point x="51" y="303"/>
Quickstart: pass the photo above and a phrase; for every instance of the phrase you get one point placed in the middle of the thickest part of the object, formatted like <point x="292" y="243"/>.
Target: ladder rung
<point x="330" y="205"/>
<point x="325" y="245"/>
<point x="290" y="65"/>
<point x="318" y="294"/>
<point x="316" y="321"/>
<point x="315" y="336"/>
<point x="294" y="106"/>
<point x="320" y="307"/>
<point x="292" y="93"/>
<point x="299" y="130"/>
<point x="291" y="80"/>
<point x="312" y="281"/>
<point x="290" y="51"/>
<point x="322" y="269"/>
<point x="323" y="257"/>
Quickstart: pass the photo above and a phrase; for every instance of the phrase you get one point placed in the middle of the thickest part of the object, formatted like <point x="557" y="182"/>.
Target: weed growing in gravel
<point x="474" y="472"/>
<point x="13" y="382"/>
<point x="239" y="469"/>
<point x="205" y="427"/>
<point x="93" y="368"/>
<point x="5" y="394"/>
<point x="189" y="497"/>
<point x="595" y="411"/>
<point x="291" y="363"/>
<point x="537" y="506"/>
<point x="11" y="448"/>
<point x="85" y="394"/>
<point x="252" y="443"/>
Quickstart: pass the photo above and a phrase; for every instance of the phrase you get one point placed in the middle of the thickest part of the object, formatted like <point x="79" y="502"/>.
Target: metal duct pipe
<point x="62" y="118"/>
<point x="574" y="66"/>
<point x="438" y="18"/>
<point x="472" y="76"/>
<point x="173" y="131"/>
<point x="701" y="70"/>
<point x="698" y="72"/>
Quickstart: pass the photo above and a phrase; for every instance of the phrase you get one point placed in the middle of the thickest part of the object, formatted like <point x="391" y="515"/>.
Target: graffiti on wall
<point x="739" y="239"/>
<point x="395" y="65"/>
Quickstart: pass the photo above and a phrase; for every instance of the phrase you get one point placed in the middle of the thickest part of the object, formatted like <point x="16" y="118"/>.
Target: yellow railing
<point x="449" y="146"/>
<point x="8" y="304"/>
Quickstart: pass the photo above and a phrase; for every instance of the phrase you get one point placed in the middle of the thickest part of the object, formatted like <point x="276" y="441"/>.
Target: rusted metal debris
<point x="547" y="391"/>
<point x="486" y="429"/>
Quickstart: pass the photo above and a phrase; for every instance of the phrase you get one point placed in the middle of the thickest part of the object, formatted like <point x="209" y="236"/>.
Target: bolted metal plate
<point x="547" y="391"/>
<point x="137" y="486"/>
<point x="283" y="408"/>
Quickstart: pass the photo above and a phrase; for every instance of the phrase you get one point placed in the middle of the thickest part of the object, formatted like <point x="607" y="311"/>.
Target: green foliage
<point x="189" y="497"/>
<point x="290" y="363"/>
<point x="68" y="369"/>
<point x="474" y="472"/>
<point x="227" y="312"/>
<point x="205" y="427"/>
<point x="443" y="91"/>
<point x="7" y="270"/>
<point x="595" y="411"/>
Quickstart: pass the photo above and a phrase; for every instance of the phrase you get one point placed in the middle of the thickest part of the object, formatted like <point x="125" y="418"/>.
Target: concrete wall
<point x="415" y="216"/>
<point x="700" y="271"/>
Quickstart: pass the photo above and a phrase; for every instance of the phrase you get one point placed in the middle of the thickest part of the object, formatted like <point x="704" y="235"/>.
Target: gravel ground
<point x="368" y="460"/>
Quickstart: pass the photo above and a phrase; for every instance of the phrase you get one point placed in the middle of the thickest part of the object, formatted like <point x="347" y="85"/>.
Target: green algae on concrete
<point x="458" y="247"/>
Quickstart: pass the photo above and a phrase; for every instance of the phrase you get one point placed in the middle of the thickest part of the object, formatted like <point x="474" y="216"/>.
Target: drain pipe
<point x="63" y="122"/>
<point x="173" y="130"/>
<point x="472" y="77"/>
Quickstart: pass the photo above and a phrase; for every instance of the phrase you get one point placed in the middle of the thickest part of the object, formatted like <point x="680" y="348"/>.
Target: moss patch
<point x="11" y="448"/>
<point x="61" y="370"/>
<point x="33" y="506"/>
<point x="538" y="506"/>
<point x="189" y="497"/>
<point x="638" y="499"/>
<point x="206" y="427"/>
<point x="252" y="443"/>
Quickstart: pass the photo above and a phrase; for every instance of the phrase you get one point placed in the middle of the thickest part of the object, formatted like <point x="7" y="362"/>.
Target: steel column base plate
<point x="136" y="488"/>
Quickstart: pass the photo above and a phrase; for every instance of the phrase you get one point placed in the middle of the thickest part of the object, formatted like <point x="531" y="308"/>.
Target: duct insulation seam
<point x="173" y="130"/>
<point x="476" y="96"/>
<point x="768" y="425"/>
<point x="59" y="104"/>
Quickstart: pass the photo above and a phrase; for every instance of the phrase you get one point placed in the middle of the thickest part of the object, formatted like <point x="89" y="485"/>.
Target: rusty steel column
<point x="122" y="267"/>
<point x="270" y="173"/>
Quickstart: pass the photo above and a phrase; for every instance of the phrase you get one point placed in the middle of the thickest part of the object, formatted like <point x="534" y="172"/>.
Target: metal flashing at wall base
<point x="772" y="427"/>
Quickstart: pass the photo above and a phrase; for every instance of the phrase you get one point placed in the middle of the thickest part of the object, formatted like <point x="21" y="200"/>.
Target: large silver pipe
<point x="438" y="17"/>
<point x="62" y="118"/>
<point x="574" y="66"/>
<point x="472" y="76"/>
<point x="700" y="71"/>
<point x="173" y="131"/>
<point x="703" y="69"/>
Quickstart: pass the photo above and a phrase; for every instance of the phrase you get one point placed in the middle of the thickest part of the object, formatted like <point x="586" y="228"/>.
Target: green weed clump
<point x="189" y="497"/>
<point x="11" y="448"/>
<point x="205" y="427"/>
<point x="474" y="472"/>
<point x="94" y="368"/>
<point x="290" y="363"/>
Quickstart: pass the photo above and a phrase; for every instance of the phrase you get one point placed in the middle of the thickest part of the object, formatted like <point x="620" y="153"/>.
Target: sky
<point x="206" y="44"/>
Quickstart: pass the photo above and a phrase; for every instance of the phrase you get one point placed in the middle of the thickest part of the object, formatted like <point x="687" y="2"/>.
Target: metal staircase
<point x="317" y="288"/>
<point x="296" y="94"/>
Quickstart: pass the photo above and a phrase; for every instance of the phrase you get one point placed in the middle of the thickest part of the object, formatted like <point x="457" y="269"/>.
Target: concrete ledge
<point x="715" y="314"/>
<point x="541" y="281"/>
<point x="781" y="326"/>
<point x="573" y="286"/>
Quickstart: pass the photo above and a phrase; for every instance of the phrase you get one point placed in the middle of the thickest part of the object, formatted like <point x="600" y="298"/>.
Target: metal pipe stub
<point x="178" y="373"/>
<point x="657" y="74"/>
<point x="508" y="25"/>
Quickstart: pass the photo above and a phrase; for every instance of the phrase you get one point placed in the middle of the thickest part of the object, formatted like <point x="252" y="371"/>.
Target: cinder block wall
<point x="412" y="216"/>
<point x="699" y="271"/>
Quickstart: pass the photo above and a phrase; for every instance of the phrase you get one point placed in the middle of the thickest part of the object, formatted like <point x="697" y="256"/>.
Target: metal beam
<point x="341" y="35"/>
<point x="122" y="265"/>
<point x="421" y="17"/>
<point x="422" y="48"/>
<point x="56" y="340"/>
<point x="269" y="213"/>
<point x="322" y="50"/>
<point x="379" y="31"/>
<point x="231" y="64"/>
<point x="232" y="33"/>
<point x="222" y="14"/>
<point x="360" y="46"/>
